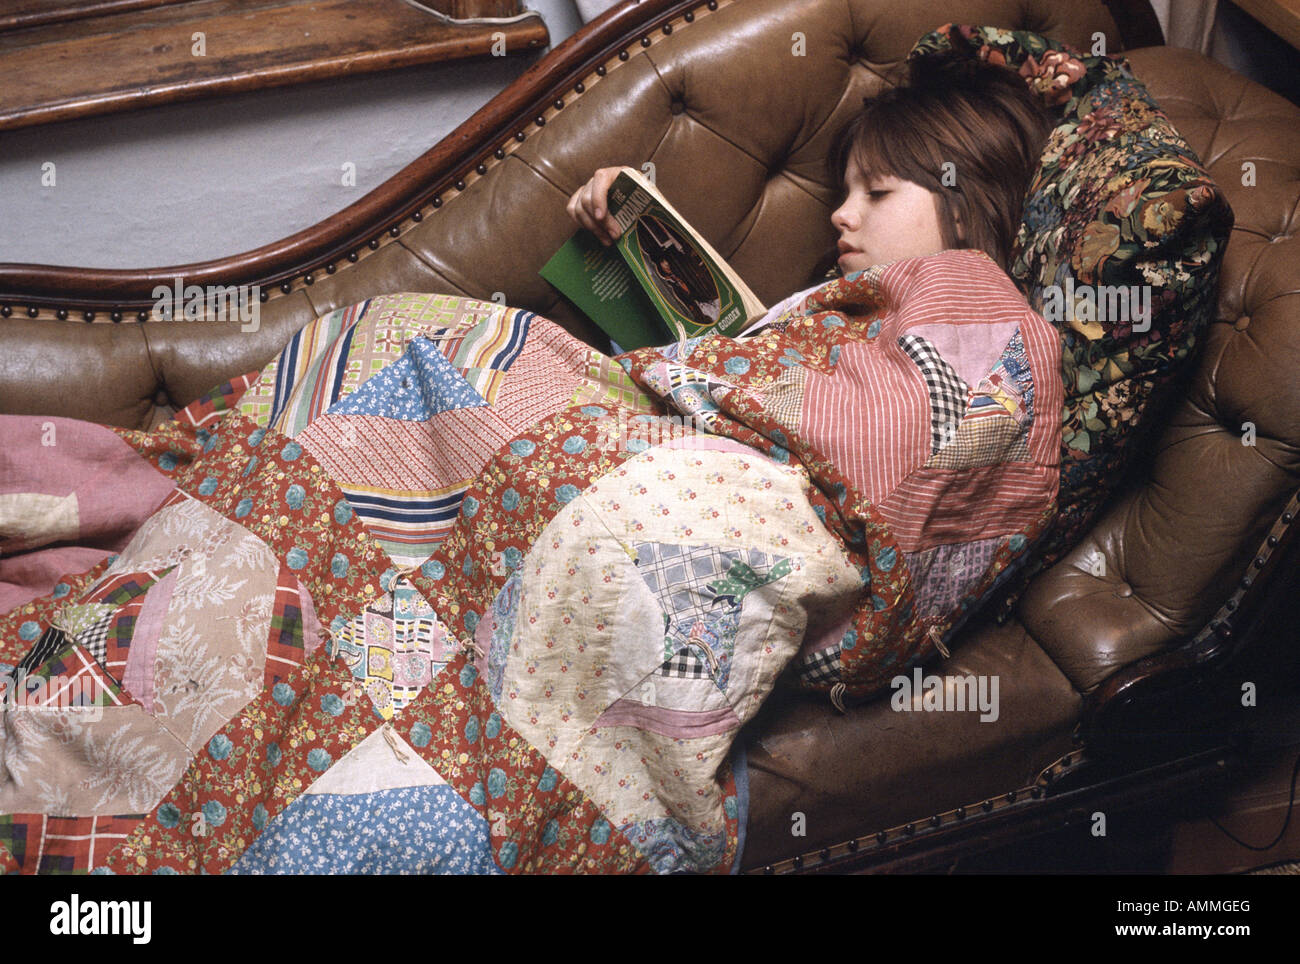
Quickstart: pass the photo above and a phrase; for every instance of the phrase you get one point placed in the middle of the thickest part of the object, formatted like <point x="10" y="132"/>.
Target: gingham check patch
<point x="685" y="664"/>
<point x="821" y="667"/>
<point x="95" y="639"/>
<point x="947" y="390"/>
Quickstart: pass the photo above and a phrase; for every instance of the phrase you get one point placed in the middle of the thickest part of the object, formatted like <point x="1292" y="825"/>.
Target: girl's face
<point x="885" y="219"/>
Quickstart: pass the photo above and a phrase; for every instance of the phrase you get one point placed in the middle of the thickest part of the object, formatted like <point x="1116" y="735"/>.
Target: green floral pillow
<point x="1120" y="246"/>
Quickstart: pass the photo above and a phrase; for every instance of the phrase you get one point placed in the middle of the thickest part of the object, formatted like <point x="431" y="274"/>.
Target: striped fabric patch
<point x="272" y="398"/>
<point x="400" y="476"/>
<point x="311" y="370"/>
<point x="409" y="525"/>
<point x="484" y="352"/>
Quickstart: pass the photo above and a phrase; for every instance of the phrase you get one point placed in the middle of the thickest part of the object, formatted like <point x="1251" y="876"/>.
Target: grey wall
<point x="188" y="182"/>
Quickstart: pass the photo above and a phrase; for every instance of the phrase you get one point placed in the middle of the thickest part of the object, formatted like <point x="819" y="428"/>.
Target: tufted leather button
<point x="676" y="106"/>
<point x="1242" y="323"/>
<point x="1123" y="590"/>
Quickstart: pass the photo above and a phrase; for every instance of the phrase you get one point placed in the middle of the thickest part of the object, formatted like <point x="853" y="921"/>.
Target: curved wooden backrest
<point x="734" y="103"/>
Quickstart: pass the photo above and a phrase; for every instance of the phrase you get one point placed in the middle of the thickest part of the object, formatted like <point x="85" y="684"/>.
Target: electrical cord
<point x="1290" y="808"/>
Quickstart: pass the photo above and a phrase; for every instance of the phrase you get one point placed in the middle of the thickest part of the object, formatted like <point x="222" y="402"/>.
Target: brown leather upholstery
<point x="875" y="768"/>
<point x="737" y="126"/>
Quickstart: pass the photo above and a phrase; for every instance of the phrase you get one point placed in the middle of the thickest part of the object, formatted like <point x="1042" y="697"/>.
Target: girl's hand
<point x="588" y="207"/>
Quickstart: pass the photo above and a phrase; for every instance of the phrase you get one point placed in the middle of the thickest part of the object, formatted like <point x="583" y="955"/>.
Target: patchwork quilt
<point x="444" y="590"/>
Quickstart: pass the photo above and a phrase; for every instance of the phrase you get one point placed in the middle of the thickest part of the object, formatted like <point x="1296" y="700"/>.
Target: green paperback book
<point x="659" y="282"/>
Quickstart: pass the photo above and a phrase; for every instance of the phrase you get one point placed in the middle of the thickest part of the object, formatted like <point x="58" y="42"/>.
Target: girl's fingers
<point x="582" y="209"/>
<point x="589" y="206"/>
<point x="603" y="180"/>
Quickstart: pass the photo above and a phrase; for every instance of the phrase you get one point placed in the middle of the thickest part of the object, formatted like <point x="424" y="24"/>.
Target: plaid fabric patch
<point x="783" y="399"/>
<point x="221" y="399"/>
<point x="117" y="641"/>
<point x="120" y="588"/>
<point x="943" y="575"/>
<point x="947" y="390"/>
<point x="700" y="590"/>
<point x="606" y="381"/>
<point x="681" y="576"/>
<point x="821" y="668"/>
<point x="74" y="678"/>
<point x="42" y="844"/>
<point x="285" y="644"/>
<point x="7" y="863"/>
<point x="678" y="573"/>
<point x="14" y="833"/>
<point x="984" y="441"/>
<point x="75" y="620"/>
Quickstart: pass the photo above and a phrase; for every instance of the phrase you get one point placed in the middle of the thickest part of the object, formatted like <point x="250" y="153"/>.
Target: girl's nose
<point x="842" y="218"/>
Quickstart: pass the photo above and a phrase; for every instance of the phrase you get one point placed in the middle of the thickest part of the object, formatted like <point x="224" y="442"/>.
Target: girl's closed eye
<point x="940" y="162"/>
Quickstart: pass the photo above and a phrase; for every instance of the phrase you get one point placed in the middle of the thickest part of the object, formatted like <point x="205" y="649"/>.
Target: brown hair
<point x="981" y="118"/>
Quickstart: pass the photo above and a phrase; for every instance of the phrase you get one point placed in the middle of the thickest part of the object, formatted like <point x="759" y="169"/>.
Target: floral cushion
<point x="1119" y="200"/>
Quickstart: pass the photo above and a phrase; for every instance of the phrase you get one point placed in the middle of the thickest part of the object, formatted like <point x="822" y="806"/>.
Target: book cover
<point x="690" y="284"/>
<point x="597" y="279"/>
<point x="659" y="282"/>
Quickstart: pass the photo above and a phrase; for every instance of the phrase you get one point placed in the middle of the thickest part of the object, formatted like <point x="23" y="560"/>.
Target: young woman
<point x="941" y="162"/>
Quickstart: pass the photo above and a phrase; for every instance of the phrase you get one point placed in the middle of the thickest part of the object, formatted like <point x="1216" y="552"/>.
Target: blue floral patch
<point x="413" y="830"/>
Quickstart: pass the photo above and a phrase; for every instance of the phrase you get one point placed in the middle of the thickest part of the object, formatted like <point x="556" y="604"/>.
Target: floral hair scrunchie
<point x="1120" y="245"/>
